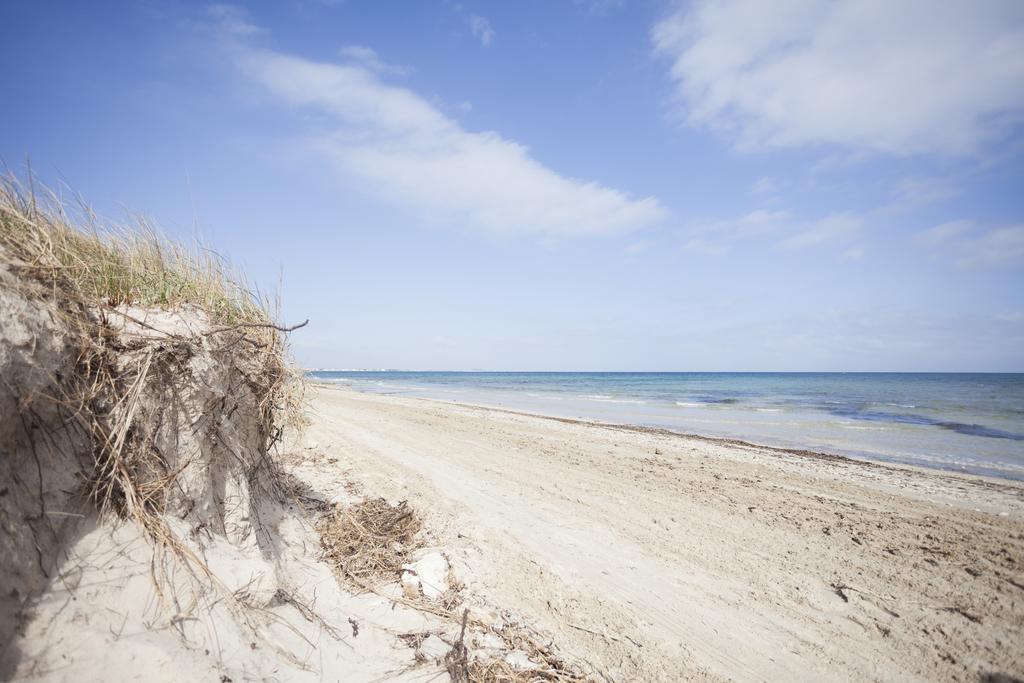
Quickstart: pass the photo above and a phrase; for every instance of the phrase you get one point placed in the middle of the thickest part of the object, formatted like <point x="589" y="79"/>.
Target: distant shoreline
<point x="967" y="424"/>
<point x="673" y="372"/>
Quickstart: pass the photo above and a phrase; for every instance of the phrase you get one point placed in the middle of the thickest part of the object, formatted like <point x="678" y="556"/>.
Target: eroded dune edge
<point x="151" y="525"/>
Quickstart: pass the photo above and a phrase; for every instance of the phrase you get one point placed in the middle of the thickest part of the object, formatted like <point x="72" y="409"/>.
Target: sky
<point x="801" y="185"/>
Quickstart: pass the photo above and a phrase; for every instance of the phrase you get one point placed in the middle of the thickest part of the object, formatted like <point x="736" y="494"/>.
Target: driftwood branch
<point x="457" y="660"/>
<point x="270" y="326"/>
<point x="228" y="328"/>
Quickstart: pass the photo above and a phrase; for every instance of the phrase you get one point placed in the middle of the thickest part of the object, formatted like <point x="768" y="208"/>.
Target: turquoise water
<point x="963" y="422"/>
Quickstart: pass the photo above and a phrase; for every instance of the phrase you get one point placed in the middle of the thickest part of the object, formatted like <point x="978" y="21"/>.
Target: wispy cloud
<point x="599" y="7"/>
<point x="764" y="186"/>
<point x="367" y="57"/>
<point x="717" y="237"/>
<point x="968" y="247"/>
<point x="882" y="77"/>
<point x="753" y="223"/>
<point x="778" y="228"/>
<point x="704" y="248"/>
<point x="855" y="253"/>
<point x="944" y="232"/>
<point x="232" y="22"/>
<point x="1002" y="247"/>
<point x="638" y="247"/>
<point x="479" y="26"/>
<point x="406" y="150"/>
<point x="919" y="191"/>
<point x="832" y="228"/>
<point x="482" y="29"/>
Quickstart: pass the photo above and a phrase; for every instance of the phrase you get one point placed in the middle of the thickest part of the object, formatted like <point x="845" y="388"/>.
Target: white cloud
<point x="832" y="228"/>
<point x="943" y="233"/>
<point x="903" y="77"/>
<point x="481" y="29"/>
<point x="1000" y="247"/>
<point x="407" y="150"/>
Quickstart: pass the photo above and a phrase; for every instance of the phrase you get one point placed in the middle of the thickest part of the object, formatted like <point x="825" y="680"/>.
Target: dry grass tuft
<point x="499" y="671"/>
<point x="367" y="543"/>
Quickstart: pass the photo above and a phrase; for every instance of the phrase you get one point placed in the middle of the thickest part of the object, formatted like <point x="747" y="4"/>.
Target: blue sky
<point x="560" y="184"/>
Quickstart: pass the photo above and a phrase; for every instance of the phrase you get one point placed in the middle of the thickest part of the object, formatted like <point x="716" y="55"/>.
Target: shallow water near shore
<point x="963" y="422"/>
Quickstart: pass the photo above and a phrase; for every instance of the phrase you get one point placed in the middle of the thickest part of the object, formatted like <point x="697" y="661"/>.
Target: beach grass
<point x="80" y="257"/>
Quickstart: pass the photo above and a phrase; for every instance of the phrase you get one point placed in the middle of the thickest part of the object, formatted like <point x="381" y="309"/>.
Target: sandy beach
<point x="647" y="555"/>
<point x="444" y="341"/>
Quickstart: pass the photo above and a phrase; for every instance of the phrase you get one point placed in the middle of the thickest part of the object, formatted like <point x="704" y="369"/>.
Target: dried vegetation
<point x="368" y="542"/>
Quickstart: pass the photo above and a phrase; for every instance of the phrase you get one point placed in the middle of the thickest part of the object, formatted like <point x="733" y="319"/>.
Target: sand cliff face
<point x="35" y="475"/>
<point x="152" y="417"/>
<point x="199" y="398"/>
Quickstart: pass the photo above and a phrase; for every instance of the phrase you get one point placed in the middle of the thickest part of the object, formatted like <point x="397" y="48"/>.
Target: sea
<point x="951" y="421"/>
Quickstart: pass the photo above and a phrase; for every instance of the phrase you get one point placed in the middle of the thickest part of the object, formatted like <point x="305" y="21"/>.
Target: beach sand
<point x="646" y="555"/>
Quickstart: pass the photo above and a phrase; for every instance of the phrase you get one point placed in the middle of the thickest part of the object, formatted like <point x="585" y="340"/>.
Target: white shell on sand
<point x="518" y="659"/>
<point x="489" y="641"/>
<point x="429" y="573"/>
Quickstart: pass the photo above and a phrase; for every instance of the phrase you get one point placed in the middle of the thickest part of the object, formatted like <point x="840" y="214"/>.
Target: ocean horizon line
<point x="682" y="372"/>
